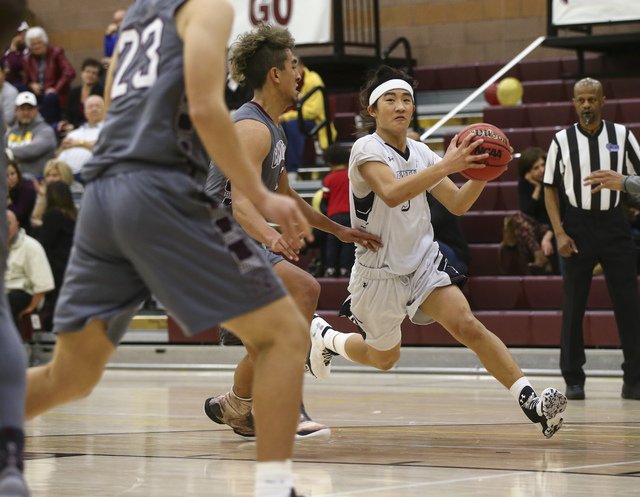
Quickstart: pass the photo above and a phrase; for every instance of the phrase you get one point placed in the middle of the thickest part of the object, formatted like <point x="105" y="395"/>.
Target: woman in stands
<point x="48" y="73"/>
<point x="21" y="196"/>
<point x="56" y="233"/>
<point x="531" y="226"/>
<point x="54" y="170"/>
<point x="409" y="276"/>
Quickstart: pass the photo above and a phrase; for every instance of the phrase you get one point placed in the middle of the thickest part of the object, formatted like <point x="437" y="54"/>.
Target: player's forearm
<point x="466" y="196"/>
<point x="315" y="218"/>
<point x="253" y="222"/>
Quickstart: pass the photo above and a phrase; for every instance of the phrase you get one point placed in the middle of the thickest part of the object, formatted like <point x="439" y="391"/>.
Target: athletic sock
<point x="527" y="398"/>
<point x="335" y="341"/>
<point x="11" y="448"/>
<point x="274" y="479"/>
<point x="240" y="398"/>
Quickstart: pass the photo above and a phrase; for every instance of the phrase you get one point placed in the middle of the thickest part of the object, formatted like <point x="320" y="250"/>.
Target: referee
<point x="591" y="230"/>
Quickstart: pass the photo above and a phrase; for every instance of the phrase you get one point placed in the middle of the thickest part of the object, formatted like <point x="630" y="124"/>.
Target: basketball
<point x="496" y="144"/>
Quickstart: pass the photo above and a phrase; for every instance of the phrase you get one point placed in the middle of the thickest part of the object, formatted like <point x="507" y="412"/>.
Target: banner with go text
<point x="309" y="21"/>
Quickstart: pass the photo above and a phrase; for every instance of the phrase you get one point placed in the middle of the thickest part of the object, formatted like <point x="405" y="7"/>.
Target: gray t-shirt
<point x="273" y="165"/>
<point x="148" y="122"/>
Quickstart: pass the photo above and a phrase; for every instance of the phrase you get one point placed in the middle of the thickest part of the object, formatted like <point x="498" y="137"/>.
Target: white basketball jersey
<point x="405" y="230"/>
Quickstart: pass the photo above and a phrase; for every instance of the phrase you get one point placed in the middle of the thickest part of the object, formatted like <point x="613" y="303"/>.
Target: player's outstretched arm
<point x="204" y="26"/>
<point x="604" y="178"/>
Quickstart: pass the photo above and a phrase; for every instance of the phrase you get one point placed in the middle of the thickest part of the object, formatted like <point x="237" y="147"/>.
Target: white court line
<point x="370" y="491"/>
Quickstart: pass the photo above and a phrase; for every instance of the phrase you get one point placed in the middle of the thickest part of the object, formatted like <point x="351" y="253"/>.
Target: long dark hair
<point x="528" y="158"/>
<point x="59" y="197"/>
<point x="14" y="165"/>
<point x="375" y="79"/>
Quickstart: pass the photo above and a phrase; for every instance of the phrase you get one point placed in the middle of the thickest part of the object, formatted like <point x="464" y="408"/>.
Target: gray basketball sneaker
<point x="12" y="483"/>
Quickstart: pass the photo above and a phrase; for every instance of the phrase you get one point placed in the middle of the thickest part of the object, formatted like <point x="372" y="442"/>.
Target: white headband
<point x="392" y="84"/>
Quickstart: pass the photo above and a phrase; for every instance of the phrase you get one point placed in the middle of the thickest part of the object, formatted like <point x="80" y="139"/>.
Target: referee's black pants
<point x="603" y="237"/>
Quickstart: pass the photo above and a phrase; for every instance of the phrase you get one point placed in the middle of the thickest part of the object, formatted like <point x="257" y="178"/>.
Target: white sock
<point x="274" y="479"/>
<point x="517" y="387"/>
<point x="239" y="398"/>
<point x="336" y="340"/>
<point x="340" y="342"/>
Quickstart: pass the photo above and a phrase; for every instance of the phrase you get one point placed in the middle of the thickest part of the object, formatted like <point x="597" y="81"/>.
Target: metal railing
<point x="356" y="23"/>
<point x="536" y="43"/>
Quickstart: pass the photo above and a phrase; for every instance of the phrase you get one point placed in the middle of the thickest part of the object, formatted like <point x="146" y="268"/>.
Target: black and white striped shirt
<point x="574" y="154"/>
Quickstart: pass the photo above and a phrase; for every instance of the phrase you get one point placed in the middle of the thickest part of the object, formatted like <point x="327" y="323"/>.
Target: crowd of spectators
<point x="50" y="129"/>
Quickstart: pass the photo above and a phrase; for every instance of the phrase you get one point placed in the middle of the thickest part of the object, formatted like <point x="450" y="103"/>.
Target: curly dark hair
<point x="257" y="51"/>
<point x="376" y="78"/>
<point x="336" y="154"/>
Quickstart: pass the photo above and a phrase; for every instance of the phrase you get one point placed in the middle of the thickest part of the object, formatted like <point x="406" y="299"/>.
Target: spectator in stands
<point x="56" y="234"/>
<point x="12" y="59"/>
<point x="111" y="36"/>
<point x="531" y="226"/>
<point x="447" y="232"/>
<point x="339" y="256"/>
<point x="77" y="147"/>
<point x="8" y="95"/>
<point x="313" y="112"/>
<point x="74" y="111"/>
<point x="21" y="196"/>
<point x="54" y="170"/>
<point x="28" y="276"/>
<point x="593" y="230"/>
<point x="48" y="74"/>
<point x="30" y="141"/>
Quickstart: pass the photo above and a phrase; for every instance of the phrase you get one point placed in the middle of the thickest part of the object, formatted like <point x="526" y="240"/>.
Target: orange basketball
<point x="496" y="144"/>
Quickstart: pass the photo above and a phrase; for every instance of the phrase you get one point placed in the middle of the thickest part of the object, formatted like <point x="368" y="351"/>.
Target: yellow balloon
<point x="509" y="91"/>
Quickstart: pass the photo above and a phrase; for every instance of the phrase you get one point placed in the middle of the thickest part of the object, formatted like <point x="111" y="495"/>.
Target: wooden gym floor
<point x="143" y="433"/>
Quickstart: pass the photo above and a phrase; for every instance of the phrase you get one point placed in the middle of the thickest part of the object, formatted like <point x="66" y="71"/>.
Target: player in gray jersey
<point x="146" y="226"/>
<point x="264" y="58"/>
<point x="409" y="276"/>
<point x="13" y="359"/>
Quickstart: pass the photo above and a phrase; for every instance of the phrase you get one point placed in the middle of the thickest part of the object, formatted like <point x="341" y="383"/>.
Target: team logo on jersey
<point x="612" y="147"/>
<point x="404" y="174"/>
<point x="278" y="154"/>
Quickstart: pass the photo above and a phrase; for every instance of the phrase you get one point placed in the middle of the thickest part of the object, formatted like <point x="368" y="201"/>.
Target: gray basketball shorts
<point x="156" y="231"/>
<point x="228" y="338"/>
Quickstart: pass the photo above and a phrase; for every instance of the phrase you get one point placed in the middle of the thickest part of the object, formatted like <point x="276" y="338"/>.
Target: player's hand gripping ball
<point x="496" y="144"/>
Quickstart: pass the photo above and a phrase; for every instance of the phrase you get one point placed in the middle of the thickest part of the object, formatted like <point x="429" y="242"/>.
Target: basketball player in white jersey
<point x="389" y="175"/>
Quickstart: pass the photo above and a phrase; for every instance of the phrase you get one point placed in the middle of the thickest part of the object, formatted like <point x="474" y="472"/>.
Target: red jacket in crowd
<point x="58" y="72"/>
